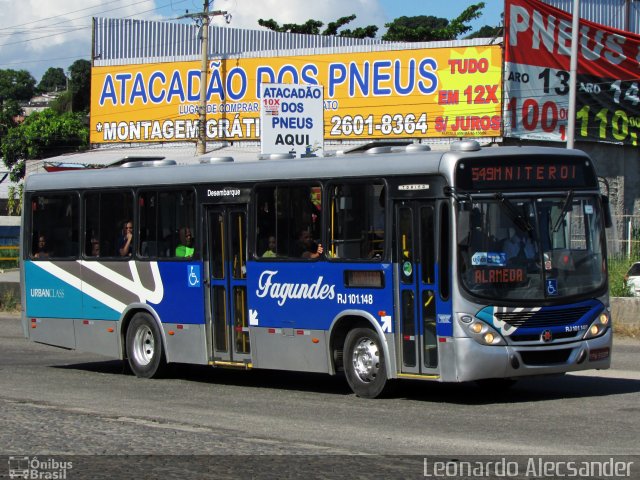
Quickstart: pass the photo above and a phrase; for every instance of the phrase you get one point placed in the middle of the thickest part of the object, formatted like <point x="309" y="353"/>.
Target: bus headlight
<point x="598" y="326"/>
<point x="483" y="333"/>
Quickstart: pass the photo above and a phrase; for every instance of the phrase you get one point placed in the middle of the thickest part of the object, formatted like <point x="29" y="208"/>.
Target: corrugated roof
<point x="620" y="14"/>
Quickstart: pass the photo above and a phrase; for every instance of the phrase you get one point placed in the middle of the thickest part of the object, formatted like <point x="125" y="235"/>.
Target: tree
<point x="486" y="31"/>
<point x="62" y="103"/>
<point x="80" y="85"/>
<point x="53" y="80"/>
<point x="16" y="85"/>
<point x="312" y="27"/>
<point x="43" y="134"/>
<point x="428" y="28"/>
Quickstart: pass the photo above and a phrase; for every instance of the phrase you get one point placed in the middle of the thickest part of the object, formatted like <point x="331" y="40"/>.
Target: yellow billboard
<point x="435" y="92"/>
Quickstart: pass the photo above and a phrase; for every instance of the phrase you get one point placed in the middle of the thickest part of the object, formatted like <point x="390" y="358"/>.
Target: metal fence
<point x="623" y="240"/>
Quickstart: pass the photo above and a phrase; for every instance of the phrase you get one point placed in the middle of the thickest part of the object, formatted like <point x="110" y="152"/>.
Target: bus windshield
<point x="531" y="248"/>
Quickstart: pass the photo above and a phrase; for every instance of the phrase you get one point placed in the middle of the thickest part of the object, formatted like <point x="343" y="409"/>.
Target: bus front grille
<point x="542" y="318"/>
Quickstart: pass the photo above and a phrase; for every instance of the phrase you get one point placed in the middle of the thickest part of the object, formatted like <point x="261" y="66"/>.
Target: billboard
<point x="437" y="92"/>
<point x="537" y="59"/>
<point x="291" y="119"/>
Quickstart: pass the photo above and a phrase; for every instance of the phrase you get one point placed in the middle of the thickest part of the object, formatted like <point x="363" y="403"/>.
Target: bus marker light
<point x="271" y="331"/>
<point x="442" y="339"/>
<point x="34" y="325"/>
<point x="171" y="332"/>
<point x="180" y="327"/>
<point x="315" y="340"/>
<point x="299" y="332"/>
<point x="85" y="322"/>
<point x="110" y="330"/>
<point x="382" y="313"/>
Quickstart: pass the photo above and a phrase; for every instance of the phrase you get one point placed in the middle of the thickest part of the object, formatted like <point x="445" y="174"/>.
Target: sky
<point x="38" y="34"/>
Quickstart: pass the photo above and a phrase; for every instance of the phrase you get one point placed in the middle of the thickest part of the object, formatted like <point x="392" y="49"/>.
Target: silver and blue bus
<point x="393" y="262"/>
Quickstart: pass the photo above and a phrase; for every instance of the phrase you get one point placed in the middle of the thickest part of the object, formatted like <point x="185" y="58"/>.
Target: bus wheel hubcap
<point x="143" y="346"/>
<point x="366" y="360"/>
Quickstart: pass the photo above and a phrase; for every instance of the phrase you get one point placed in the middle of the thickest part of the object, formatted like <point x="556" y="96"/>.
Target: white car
<point x="632" y="279"/>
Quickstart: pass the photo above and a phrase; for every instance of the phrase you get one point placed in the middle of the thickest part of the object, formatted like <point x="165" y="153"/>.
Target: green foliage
<point x="62" y="103"/>
<point x="428" y="28"/>
<point x="9" y="302"/>
<point x="53" y="80"/>
<point x="16" y="85"/>
<point x="14" y="200"/>
<point x="312" y="27"/>
<point x="80" y="85"/>
<point x="8" y="110"/>
<point x="41" y="135"/>
<point x="618" y="267"/>
<point x="486" y="32"/>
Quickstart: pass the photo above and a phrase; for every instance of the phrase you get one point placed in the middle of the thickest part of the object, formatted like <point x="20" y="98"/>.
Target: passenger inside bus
<point x="519" y="246"/>
<point x="270" y="252"/>
<point x="185" y="248"/>
<point x="306" y="247"/>
<point x="42" y="250"/>
<point x="126" y="240"/>
<point x="94" y="244"/>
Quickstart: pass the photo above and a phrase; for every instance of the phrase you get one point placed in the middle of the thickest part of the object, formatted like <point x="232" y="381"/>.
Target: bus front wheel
<point x="364" y="363"/>
<point x="144" y="347"/>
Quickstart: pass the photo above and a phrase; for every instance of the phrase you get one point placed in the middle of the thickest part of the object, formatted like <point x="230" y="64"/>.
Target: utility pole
<point x="573" y="75"/>
<point x="202" y="19"/>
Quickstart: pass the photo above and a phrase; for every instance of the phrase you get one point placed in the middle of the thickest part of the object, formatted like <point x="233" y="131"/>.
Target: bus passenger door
<point x="415" y="258"/>
<point x="227" y="276"/>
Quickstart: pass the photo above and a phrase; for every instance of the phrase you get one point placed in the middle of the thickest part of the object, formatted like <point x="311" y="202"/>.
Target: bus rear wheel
<point x="364" y="363"/>
<point x="144" y="347"/>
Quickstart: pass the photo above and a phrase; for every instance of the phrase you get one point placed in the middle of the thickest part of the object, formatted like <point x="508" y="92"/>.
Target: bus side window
<point x="167" y="224"/>
<point x="55" y="225"/>
<point x="105" y="214"/>
<point x="284" y="214"/>
<point x="357" y="221"/>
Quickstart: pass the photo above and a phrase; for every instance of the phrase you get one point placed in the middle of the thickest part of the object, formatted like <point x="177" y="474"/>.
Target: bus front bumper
<point x="476" y="361"/>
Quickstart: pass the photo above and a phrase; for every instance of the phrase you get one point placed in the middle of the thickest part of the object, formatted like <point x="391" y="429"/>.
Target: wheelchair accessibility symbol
<point x="193" y="278"/>
<point x="552" y="286"/>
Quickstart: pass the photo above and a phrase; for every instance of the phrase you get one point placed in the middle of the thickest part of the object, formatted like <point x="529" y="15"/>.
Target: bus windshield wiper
<point x="563" y="212"/>
<point x="512" y="212"/>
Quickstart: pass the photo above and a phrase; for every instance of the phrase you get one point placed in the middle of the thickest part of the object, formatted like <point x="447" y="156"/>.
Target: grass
<point x="9" y="302"/>
<point x="617" y="269"/>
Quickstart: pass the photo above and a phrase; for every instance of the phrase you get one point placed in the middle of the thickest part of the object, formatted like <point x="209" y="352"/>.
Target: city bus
<point x="483" y="264"/>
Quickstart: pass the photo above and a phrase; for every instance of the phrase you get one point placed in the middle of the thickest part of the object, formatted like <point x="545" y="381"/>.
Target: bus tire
<point x="364" y="363"/>
<point x="144" y="347"/>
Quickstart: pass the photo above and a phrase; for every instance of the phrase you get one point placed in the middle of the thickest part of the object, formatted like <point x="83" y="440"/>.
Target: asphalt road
<point x="56" y="402"/>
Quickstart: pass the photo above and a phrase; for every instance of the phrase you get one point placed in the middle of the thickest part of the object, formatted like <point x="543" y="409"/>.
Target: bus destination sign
<point x="518" y="172"/>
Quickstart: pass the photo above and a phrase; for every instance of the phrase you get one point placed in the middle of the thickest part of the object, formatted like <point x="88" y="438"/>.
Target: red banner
<point x="537" y="58"/>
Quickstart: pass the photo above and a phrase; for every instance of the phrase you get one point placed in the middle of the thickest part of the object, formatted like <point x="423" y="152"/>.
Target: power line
<point x="73" y="29"/>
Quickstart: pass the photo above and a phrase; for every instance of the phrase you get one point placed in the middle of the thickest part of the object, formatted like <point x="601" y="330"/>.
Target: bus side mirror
<point x="608" y="221"/>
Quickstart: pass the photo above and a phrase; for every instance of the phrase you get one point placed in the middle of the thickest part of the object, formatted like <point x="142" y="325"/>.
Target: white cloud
<point x="38" y="34"/>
